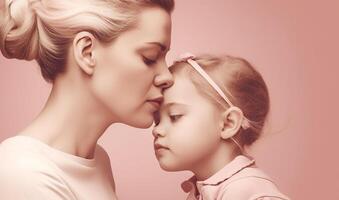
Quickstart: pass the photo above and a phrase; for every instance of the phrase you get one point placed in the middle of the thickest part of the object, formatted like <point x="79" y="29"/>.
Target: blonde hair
<point x="44" y="29"/>
<point x="241" y="83"/>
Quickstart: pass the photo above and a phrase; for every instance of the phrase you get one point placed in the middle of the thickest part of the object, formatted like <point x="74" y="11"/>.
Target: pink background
<point x="295" y="46"/>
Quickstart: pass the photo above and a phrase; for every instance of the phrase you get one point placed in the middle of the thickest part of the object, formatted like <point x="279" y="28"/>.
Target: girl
<point x="216" y="106"/>
<point x="106" y="62"/>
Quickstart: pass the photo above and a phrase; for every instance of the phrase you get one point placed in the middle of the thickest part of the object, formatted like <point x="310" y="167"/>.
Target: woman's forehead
<point x="154" y="26"/>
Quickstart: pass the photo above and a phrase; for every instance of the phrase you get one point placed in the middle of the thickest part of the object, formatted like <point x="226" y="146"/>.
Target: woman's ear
<point x="83" y="46"/>
<point x="232" y="120"/>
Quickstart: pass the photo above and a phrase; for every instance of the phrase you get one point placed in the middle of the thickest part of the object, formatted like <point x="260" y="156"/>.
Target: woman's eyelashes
<point x="149" y="61"/>
<point x="156" y="117"/>
<point x="150" y="58"/>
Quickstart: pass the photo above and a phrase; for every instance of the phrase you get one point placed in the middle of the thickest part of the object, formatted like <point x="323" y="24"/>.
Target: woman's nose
<point x="164" y="79"/>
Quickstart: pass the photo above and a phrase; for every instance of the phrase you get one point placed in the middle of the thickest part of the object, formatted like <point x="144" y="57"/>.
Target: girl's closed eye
<point x="175" y="117"/>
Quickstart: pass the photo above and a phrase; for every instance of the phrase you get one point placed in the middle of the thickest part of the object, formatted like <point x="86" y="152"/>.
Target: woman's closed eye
<point x="149" y="61"/>
<point x="156" y="117"/>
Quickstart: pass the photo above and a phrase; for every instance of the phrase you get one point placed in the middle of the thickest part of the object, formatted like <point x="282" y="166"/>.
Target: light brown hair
<point x="241" y="83"/>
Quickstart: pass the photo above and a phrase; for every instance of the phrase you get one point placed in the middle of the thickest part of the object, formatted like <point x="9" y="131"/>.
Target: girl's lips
<point x="159" y="149"/>
<point x="159" y="146"/>
<point x="160" y="152"/>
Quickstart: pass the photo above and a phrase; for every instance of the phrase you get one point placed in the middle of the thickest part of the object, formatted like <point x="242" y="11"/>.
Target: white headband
<point x="188" y="57"/>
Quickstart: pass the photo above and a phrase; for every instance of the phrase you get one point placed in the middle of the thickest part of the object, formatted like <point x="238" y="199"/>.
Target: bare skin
<point x="89" y="96"/>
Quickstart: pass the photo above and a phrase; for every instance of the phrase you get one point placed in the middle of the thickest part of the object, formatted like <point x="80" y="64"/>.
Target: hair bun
<point x="18" y="30"/>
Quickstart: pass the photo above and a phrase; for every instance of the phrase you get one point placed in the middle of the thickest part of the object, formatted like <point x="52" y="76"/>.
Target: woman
<point x="106" y="62"/>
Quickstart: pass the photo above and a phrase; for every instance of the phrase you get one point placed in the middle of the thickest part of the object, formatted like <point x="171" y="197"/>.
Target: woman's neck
<point x="71" y="121"/>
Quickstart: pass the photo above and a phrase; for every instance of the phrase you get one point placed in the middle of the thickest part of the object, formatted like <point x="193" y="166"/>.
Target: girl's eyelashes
<point x="175" y="117"/>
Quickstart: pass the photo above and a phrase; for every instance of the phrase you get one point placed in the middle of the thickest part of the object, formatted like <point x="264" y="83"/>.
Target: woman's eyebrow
<point x="162" y="46"/>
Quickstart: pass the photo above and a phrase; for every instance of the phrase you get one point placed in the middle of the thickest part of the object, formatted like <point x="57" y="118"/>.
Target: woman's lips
<point x="155" y="104"/>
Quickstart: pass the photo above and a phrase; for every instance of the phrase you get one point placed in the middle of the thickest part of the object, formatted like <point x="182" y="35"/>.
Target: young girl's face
<point x="187" y="131"/>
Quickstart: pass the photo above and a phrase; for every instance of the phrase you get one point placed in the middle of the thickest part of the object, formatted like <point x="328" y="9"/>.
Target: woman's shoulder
<point x="27" y="174"/>
<point x="18" y="149"/>
<point x="29" y="178"/>
<point x="251" y="183"/>
<point x="19" y="160"/>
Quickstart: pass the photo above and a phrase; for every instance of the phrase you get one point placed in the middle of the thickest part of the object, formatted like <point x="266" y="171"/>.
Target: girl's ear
<point x="232" y="120"/>
<point x="83" y="46"/>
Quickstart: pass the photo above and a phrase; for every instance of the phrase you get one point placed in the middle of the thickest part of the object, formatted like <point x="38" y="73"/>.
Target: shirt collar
<point x="236" y="165"/>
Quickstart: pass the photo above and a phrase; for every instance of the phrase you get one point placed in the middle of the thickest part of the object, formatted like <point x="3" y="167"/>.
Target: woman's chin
<point x="145" y="122"/>
<point x="145" y="126"/>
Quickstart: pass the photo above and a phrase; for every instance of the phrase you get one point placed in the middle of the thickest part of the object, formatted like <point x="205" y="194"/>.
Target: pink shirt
<point x="238" y="180"/>
<point x="32" y="170"/>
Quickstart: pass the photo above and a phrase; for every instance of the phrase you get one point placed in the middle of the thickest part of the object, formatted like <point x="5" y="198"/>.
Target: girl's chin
<point x="169" y="168"/>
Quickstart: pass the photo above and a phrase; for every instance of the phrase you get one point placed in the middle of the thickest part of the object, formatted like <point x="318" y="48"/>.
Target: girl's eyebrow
<point x="170" y="104"/>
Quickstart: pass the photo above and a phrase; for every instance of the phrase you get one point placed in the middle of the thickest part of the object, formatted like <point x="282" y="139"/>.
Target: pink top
<point x="32" y="170"/>
<point x="238" y="180"/>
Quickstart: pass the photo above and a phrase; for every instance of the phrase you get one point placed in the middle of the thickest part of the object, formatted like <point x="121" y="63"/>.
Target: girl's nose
<point x="158" y="132"/>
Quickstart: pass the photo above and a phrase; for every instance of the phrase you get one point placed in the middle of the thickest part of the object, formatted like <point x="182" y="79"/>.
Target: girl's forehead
<point x="182" y="91"/>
